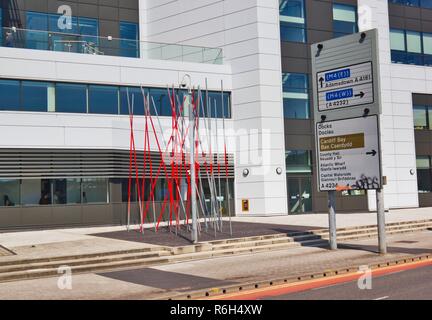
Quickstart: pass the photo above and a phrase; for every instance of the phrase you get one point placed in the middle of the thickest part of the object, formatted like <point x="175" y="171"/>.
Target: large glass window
<point x="427" y="48"/>
<point x="344" y="19"/>
<point x="424" y="180"/>
<point x="67" y="191"/>
<point x="298" y="161"/>
<point x="9" y="193"/>
<point x="132" y="98"/>
<point x="38" y="22"/>
<point x="10" y="95"/>
<point x="71" y="98"/>
<point x="292" y="20"/>
<point x="414" y="3"/>
<point x="36" y="192"/>
<point x="94" y="190"/>
<point x="35" y="96"/>
<point x="17" y="95"/>
<point x="161" y="101"/>
<point x="103" y="99"/>
<point x="295" y="95"/>
<point x="129" y="43"/>
<point x="420" y="117"/>
<point x="411" y="47"/>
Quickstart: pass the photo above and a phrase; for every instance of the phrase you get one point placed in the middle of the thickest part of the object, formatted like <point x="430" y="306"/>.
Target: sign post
<point x="347" y="110"/>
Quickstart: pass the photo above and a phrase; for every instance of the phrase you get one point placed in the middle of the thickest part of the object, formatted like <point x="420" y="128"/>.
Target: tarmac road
<point x="414" y="284"/>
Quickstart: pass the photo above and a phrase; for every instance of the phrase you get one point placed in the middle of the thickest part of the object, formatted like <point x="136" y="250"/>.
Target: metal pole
<point x="381" y="222"/>
<point x="192" y="173"/>
<point x="332" y="219"/>
<point x="226" y="162"/>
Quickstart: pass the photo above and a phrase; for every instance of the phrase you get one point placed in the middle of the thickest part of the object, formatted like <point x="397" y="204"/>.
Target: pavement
<point x="170" y="280"/>
<point x="56" y="242"/>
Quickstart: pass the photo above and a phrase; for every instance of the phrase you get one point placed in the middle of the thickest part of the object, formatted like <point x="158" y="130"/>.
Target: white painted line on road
<point x="382" y="298"/>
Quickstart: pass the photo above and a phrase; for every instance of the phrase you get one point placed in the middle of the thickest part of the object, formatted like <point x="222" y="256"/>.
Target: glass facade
<point x="76" y="191"/>
<point x="292" y="20"/>
<point x="414" y="3"/>
<point x="39" y="96"/>
<point x="298" y="161"/>
<point x="344" y="20"/>
<point x="129" y="43"/>
<point x="422" y="117"/>
<point x="42" y="31"/>
<point x="424" y="174"/>
<point x="295" y="95"/>
<point x="411" y="47"/>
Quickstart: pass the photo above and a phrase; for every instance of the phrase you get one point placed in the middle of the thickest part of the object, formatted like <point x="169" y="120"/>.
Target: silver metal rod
<point x="332" y="219"/>
<point x="192" y="174"/>
<point x="227" y="188"/>
<point x="381" y="221"/>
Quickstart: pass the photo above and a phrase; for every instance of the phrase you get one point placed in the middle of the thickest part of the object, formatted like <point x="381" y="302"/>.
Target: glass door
<point x="299" y="195"/>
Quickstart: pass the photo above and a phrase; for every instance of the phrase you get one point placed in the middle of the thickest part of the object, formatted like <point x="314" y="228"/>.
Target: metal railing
<point x="87" y="44"/>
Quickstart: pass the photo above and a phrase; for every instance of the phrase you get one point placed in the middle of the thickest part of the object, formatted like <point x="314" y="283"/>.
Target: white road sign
<point x="344" y="87"/>
<point x="346" y="77"/>
<point x="348" y="154"/>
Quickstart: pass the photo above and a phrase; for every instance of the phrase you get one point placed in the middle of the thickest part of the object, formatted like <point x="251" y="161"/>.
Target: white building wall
<point x="398" y="83"/>
<point x="94" y="131"/>
<point x="248" y="32"/>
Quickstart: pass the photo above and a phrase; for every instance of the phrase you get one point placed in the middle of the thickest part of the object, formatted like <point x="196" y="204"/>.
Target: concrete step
<point x="83" y="261"/>
<point x="84" y="256"/>
<point x="34" y="268"/>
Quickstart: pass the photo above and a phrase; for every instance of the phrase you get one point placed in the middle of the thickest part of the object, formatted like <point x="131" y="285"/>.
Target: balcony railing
<point x="85" y="44"/>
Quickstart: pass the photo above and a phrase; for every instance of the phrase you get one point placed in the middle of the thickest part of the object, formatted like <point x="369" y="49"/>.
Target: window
<point x="103" y="99"/>
<point x="67" y="191"/>
<point x="129" y="43"/>
<point x="39" y="96"/>
<point x="10" y="95"/>
<point x="71" y="98"/>
<point x="414" y="3"/>
<point x="420" y="118"/>
<point x="9" y="193"/>
<point x="344" y="19"/>
<point x="35" y="96"/>
<point x="295" y="95"/>
<point x="298" y="161"/>
<point x="94" y="190"/>
<point x="161" y="101"/>
<point x="36" y="192"/>
<point x="37" y="39"/>
<point x="411" y="47"/>
<point x="135" y="101"/>
<point x="427" y="48"/>
<point x="292" y="20"/>
<point x="424" y="180"/>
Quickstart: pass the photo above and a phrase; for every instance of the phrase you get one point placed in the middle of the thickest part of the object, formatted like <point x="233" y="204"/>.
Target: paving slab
<point x="148" y="283"/>
<point x="165" y="237"/>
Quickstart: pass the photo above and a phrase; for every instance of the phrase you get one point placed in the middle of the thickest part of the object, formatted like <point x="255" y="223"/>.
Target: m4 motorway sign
<point x="348" y="86"/>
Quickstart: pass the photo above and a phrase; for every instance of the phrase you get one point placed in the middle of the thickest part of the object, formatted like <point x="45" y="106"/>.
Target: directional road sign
<point x="345" y="75"/>
<point x="344" y="87"/>
<point x="348" y="154"/>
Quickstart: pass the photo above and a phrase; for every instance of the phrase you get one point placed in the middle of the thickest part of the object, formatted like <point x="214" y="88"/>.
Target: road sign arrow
<point x="361" y="94"/>
<point x="321" y="80"/>
<point x="373" y="153"/>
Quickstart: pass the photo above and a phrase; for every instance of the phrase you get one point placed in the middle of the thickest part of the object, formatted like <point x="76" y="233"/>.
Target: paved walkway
<point x="60" y="242"/>
<point x="168" y="280"/>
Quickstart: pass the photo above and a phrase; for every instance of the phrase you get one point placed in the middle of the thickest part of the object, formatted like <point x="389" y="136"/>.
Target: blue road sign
<point x="337" y="75"/>
<point x="340" y="94"/>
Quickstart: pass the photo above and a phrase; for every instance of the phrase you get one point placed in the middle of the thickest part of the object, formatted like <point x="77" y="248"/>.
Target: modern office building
<point x="67" y="68"/>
